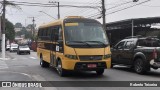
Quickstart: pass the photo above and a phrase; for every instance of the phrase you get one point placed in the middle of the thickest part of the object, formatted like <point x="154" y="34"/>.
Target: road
<point x="27" y="68"/>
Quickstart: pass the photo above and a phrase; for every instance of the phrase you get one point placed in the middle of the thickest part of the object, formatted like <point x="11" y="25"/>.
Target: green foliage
<point x="18" y="25"/>
<point x="10" y="33"/>
<point x="27" y="34"/>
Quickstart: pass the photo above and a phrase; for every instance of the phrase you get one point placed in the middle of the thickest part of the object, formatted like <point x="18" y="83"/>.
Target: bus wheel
<point x="100" y="72"/>
<point x="60" y="70"/>
<point x="43" y="63"/>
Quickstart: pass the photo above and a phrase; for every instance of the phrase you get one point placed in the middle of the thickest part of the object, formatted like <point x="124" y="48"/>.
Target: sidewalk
<point x="7" y="57"/>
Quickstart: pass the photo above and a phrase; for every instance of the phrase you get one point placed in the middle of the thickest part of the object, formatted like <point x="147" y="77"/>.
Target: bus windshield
<point x="85" y="32"/>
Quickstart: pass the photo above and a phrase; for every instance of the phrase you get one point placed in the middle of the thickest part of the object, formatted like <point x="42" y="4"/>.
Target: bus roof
<point x="68" y="18"/>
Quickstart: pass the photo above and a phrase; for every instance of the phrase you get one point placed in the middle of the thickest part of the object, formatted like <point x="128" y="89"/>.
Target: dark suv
<point x="140" y="53"/>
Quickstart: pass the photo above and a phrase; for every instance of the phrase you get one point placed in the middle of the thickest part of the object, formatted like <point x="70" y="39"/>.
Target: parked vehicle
<point x="13" y="47"/>
<point x="141" y="53"/>
<point x="34" y="46"/>
<point x="8" y="47"/>
<point x="23" y="49"/>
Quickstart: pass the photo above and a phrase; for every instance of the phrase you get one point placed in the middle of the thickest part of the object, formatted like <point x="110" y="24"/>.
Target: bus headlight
<point x="107" y="56"/>
<point x="71" y="56"/>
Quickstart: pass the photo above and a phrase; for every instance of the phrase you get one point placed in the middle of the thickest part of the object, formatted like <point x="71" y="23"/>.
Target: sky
<point x="148" y="9"/>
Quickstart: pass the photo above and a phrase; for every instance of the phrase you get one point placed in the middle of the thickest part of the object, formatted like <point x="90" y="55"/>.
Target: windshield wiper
<point x="98" y="42"/>
<point x="79" y="42"/>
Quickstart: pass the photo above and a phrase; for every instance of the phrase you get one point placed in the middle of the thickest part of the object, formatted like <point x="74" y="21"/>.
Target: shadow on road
<point x="152" y="72"/>
<point x="80" y="74"/>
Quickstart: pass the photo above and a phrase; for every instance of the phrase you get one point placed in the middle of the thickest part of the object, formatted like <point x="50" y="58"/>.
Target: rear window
<point x="23" y="46"/>
<point x="149" y="42"/>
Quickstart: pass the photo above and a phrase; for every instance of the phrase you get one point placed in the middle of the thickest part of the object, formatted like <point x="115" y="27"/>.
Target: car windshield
<point x="23" y="46"/>
<point x="15" y="45"/>
<point x="91" y="33"/>
<point x="149" y="43"/>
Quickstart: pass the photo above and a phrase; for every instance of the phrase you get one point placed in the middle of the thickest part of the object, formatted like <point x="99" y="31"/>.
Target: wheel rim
<point x="59" y="67"/>
<point x="41" y="61"/>
<point x="138" y="66"/>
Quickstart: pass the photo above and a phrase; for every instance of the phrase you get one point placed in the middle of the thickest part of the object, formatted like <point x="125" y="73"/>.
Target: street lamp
<point x="47" y="15"/>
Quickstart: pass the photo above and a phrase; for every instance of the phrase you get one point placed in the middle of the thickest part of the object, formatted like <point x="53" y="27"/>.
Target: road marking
<point x="3" y="65"/>
<point x="32" y="57"/>
<point x="4" y="59"/>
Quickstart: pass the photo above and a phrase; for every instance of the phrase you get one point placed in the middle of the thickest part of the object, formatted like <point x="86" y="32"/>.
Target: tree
<point x="18" y="25"/>
<point x="10" y="33"/>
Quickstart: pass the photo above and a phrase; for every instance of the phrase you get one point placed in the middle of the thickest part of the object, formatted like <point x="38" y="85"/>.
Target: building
<point x="117" y="31"/>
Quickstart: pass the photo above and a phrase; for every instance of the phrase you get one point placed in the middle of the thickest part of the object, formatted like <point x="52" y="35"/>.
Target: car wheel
<point x="29" y="53"/>
<point x="60" y="70"/>
<point x="139" y="66"/>
<point x="43" y="63"/>
<point x="100" y="72"/>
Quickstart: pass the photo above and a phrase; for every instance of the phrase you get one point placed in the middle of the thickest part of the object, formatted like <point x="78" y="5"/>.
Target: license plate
<point x="92" y="65"/>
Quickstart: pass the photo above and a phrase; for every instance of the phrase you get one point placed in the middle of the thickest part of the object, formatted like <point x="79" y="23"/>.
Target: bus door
<point x="59" y="41"/>
<point x="53" y="46"/>
<point x="57" y="44"/>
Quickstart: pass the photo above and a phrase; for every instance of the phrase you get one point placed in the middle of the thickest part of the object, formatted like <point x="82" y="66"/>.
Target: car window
<point x="149" y="43"/>
<point x="14" y="45"/>
<point x="120" y="45"/>
<point x="128" y="45"/>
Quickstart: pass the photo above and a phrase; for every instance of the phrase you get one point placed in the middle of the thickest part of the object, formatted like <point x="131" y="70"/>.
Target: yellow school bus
<point x="74" y="43"/>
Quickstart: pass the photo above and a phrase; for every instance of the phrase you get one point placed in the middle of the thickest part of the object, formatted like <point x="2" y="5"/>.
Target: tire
<point x="112" y="65"/>
<point x="29" y="53"/>
<point x="139" y="66"/>
<point x="100" y="72"/>
<point x="43" y="63"/>
<point x="60" y="70"/>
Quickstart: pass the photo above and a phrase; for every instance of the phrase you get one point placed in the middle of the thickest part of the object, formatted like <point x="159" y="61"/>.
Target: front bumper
<point x="82" y="65"/>
<point x="24" y="51"/>
<point x="155" y="64"/>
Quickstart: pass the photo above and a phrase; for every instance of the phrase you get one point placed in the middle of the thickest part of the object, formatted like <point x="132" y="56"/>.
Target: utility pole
<point x="58" y="8"/>
<point x="33" y="27"/>
<point x="3" y="30"/>
<point x="132" y="27"/>
<point x="103" y="14"/>
<point x="58" y="11"/>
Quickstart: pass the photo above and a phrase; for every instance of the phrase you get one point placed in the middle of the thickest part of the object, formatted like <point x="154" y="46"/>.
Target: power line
<point x="83" y="9"/>
<point x="150" y="6"/>
<point x="51" y="5"/>
<point x="118" y="5"/>
<point x="128" y="7"/>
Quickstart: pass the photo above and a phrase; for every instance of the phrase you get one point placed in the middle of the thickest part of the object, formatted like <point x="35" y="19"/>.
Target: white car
<point x="13" y="47"/>
<point x="23" y="49"/>
<point x="8" y="47"/>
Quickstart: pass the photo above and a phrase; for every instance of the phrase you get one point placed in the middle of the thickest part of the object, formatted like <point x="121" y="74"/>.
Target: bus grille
<point x="93" y="57"/>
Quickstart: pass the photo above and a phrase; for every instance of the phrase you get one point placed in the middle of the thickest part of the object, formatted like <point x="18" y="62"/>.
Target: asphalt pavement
<point x="27" y="68"/>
